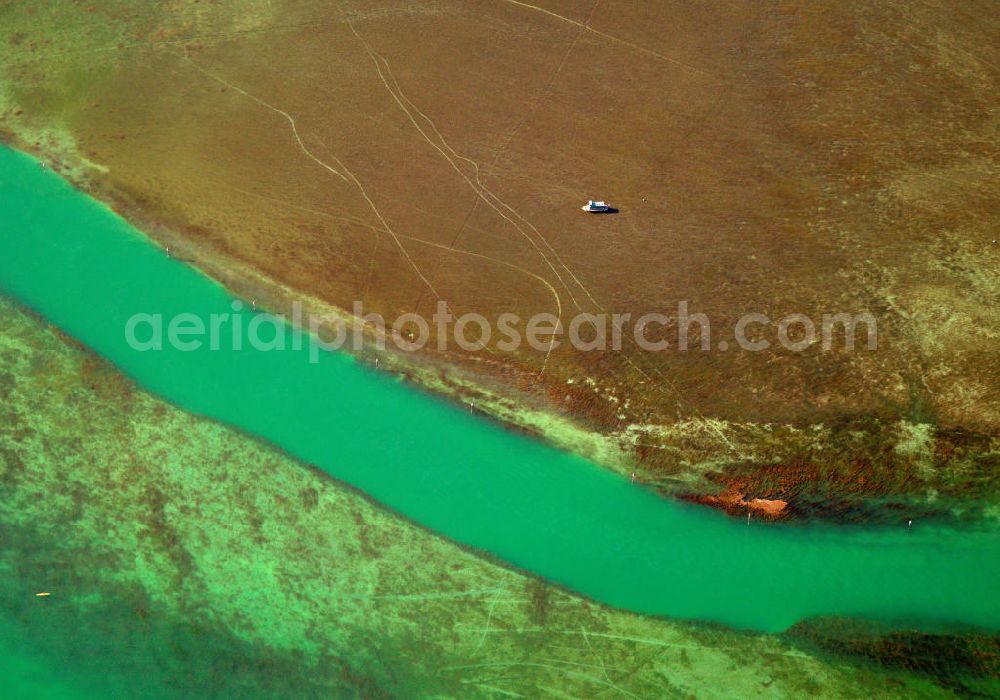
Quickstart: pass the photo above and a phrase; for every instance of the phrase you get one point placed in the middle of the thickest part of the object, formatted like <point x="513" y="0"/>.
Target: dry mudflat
<point x="778" y="158"/>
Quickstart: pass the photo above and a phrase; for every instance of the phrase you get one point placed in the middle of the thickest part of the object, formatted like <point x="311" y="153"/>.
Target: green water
<point x="556" y="515"/>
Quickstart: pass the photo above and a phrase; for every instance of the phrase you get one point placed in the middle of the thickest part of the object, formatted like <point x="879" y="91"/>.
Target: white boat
<point x="595" y="206"/>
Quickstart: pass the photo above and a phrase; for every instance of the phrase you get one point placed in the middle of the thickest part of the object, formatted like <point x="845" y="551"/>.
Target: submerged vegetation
<point x="184" y="558"/>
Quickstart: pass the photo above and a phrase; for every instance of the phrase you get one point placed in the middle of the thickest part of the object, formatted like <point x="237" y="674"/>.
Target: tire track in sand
<point x="350" y="177"/>
<point x="612" y="38"/>
<point x="451" y="156"/>
<point x="357" y="221"/>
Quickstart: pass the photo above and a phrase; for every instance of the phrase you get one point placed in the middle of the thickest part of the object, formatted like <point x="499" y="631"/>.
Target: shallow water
<point x="551" y="513"/>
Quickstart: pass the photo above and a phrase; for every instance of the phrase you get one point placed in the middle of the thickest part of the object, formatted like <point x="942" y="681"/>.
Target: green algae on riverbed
<point x="186" y="560"/>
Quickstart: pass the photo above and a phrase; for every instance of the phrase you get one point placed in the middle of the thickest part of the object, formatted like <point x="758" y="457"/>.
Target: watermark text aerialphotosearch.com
<point x="681" y="331"/>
